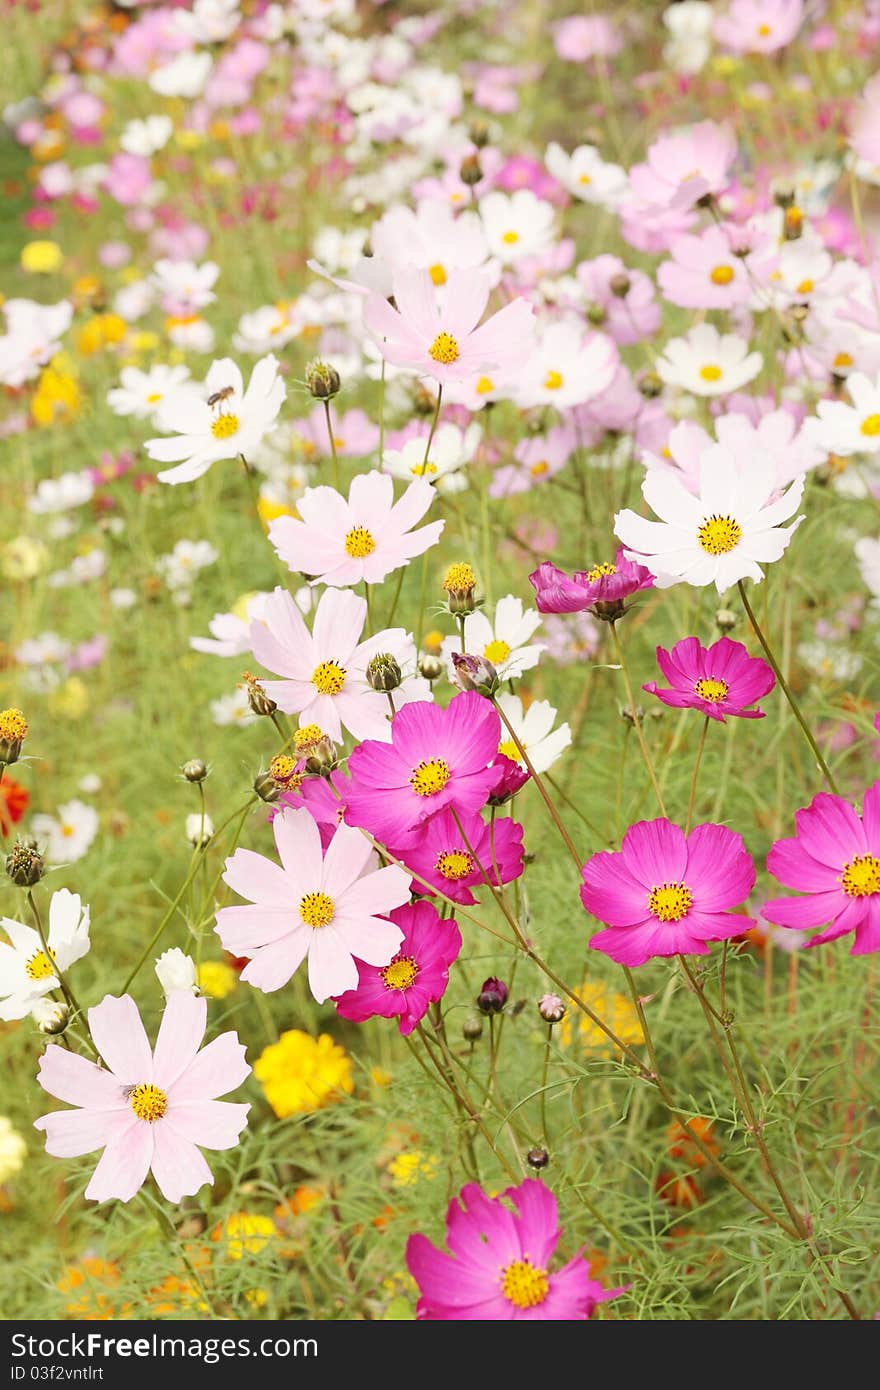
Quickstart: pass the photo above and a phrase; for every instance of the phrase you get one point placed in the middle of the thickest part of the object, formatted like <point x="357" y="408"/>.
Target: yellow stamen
<point x="437" y="274"/>
<point x="328" y="678"/>
<point x="39" y="967"/>
<point x="861" y="876"/>
<point x="359" y="543"/>
<point x="400" y="973"/>
<point x="444" y="349"/>
<point x="317" y="910"/>
<point x="710" y="372"/>
<point x="225" y="426"/>
<point x="148" y="1102"/>
<point x="871" y="425"/>
<point x="525" y="1285"/>
<point x="510" y="238"/>
<point x="598" y="571"/>
<point x="553" y="381"/>
<point x="719" y="534"/>
<point x="454" y="864"/>
<point x="721" y="275"/>
<point x="670" y="901"/>
<point x="430" y="777"/>
<point x="711" y="690"/>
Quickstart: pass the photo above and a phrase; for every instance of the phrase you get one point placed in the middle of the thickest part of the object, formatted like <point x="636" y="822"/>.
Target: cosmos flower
<point x="851" y="429"/>
<point x="69" y="834"/>
<point x="505" y="641"/>
<point x="26" y="972"/>
<point x="585" y="174"/>
<point x="599" y="590"/>
<point x="455" y="860"/>
<point x="141" y="394"/>
<point x="708" y="363"/>
<point x="534" y="729"/>
<point x="718" y="681"/>
<point x="414" y="978"/>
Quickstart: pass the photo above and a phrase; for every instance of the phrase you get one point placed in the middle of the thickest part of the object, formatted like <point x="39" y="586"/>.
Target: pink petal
<point x="831" y="830"/>
<point x="219" y="1068"/>
<point x="70" y="1133"/>
<point x="258" y="879"/>
<point x="871" y="817"/>
<point x="180" y="1034"/>
<point x="75" y="1079"/>
<point x="443" y="1279"/>
<point x="331" y="968"/>
<point x="178" y="1167"/>
<point x="242" y="929"/>
<point x="371" y="939"/>
<point x="214" y="1124"/>
<point x="118" y="1034"/>
<point x="298" y="842"/>
<point x="347" y="856"/>
<point x="375" y="893"/>
<point x="273" y="965"/>
<point x="655" y="852"/>
<point x="123" y="1168"/>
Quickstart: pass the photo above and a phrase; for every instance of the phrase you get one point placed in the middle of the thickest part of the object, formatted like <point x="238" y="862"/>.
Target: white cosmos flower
<point x="851" y="429"/>
<point x="566" y="367"/>
<point x="586" y="175"/>
<point x="33" y="335"/>
<point x="184" y="76"/>
<point x="61" y="494"/>
<point x="724" y="532"/>
<point x="263" y="329"/>
<point x="233" y="425"/>
<point x="505" y="642"/>
<point x="229" y="631"/>
<point x="141" y="393"/>
<point x="517" y="224"/>
<point x="69" y="834"/>
<point x="690" y="28"/>
<point x="26" y="972"/>
<point x="868" y="556"/>
<point x="181" y="565"/>
<point x="233" y="709"/>
<point x="452" y="449"/>
<point x="535" y="731"/>
<point x="191" y="333"/>
<point x="148" y="136"/>
<point x="185" y="283"/>
<point x="708" y="363"/>
<point x="209" y="21"/>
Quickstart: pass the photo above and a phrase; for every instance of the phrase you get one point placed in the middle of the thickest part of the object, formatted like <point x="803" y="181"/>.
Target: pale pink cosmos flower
<point x="759" y="26"/>
<point x="776" y="435"/>
<point x="331" y="909"/>
<point x="704" y="273"/>
<point x="364" y="538"/>
<point x="865" y="136"/>
<point x="324" y="672"/>
<point x="148" y="1110"/>
<point x="685" y="166"/>
<point x="446" y="343"/>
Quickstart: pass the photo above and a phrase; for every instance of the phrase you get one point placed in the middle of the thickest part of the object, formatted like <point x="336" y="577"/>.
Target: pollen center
<point x="719" y="534"/>
<point x="553" y="381"/>
<point x="328" y="678"/>
<point x="316" y="910"/>
<point x="39" y="967"/>
<point x="148" y="1102"/>
<point x="843" y="359"/>
<point x="510" y="238"/>
<point x="459" y="577"/>
<point x="721" y="275"/>
<point x="525" y="1285"/>
<point x="508" y="749"/>
<point x="484" y="386"/>
<point x="154" y="397"/>
<point x="871" y="425"/>
<point x="420" y="469"/>
<point x="224" y="426"/>
<point x="710" y="372"/>
<point x="538" y="469"/>
<point x="496" y="651"/>
<point x="711" y="690"/>
<point x="400" y="973"/>
<point x="430" y="777"/>
<point x="359" y="543"/>
<point x="454" y="864"/>
<point x="599" y="571"/>
<point x="861" y="876"/>
<point x="444" y="349"/>
<point x="670" y="901"/>
<point x="437" y="273"/>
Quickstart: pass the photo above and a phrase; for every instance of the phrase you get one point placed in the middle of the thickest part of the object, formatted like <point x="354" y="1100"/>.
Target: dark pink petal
<point x="792" y="865"/>
<point x="655" y="852"/>
<point x="720" y="872"/>
<point x="871" y="817"/>
<point x="611" y="893"/>
<point x="867" y="937"/>
<point x="449" y="1281"/>
<point x="831" y="830"/>
<point x="806" y="912"/>
<point x="539" y="1220"/>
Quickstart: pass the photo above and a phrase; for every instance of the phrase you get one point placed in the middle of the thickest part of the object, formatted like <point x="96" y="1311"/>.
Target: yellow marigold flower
<point x="300" y="1074"/>
<point x="70" y="700"/>
<point x="13" y="1150"/>
<point x="175" y="1295"/>
<point x="101" y="331"/>
<point x="89" y="1284"/>
<point x="406" y="1169"/>
<point x="617" y="1010"/>
<point x="41" y="257"/>
<point x="216" y="978"/>
<point x="244" y="1233"/>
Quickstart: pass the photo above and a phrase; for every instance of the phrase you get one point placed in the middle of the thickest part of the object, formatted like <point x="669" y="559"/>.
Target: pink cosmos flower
<point x="663" y="893"/>
<point x="365" y="538"/>
<point x="626" y="297"/>
<point x="759" y="26"/>
<point x="684" y="167"/>
<point x="454" y="862"/>
<point x="415" y="977"/>
<point x="794" y="447"/>
<point x="325" y="671"/>
<point x="600" y="590"/>
<point x="834" y="860"/>
<point x="538" y="458"/>
<point x="128" y="178"/>
<point x="148" y="1110"/>
<point x="436" y="758"/>
<point x="497" y="1270"/>
<point x="445" y="343"/>
<point x="329" y="908"/>
<point x="704" y="272"/>
<point x="865" y="137"/>
<point x="718" y="680"/>
<point x="580" y="37"/>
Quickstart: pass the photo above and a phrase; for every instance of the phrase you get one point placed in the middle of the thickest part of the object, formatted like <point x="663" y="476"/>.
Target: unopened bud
<point x="472" y="1028"/>
<point x="195" y="770"/>
<point x="383" y="673"/>
<point x="493" y="996"/>
<point x="596" y="315"/>
<point x="323" y="758"/>
<point x="459" y="585"/>
<point x="793" y="223"/>
<point x="537" y="1159"/>
<point x="551" y="1008"/>
<point x="632" y="716"/>
<point x="51" y="1016"/>
<point x="266" y="787"/>
<point x="199" y="829"/>
<point x="479" y="134"/>
<point x="258" y="700"/>
<point x="13" y="732"/>
<point x="175" y="970"/>
<point x="322" y="380"/>
<point x="474" y="673"/>
<point x="24" y="863"/>
<point x="725" y="620"/>
<point x="650" y="385"/>
<point x="471" y="171"/>
<point x="784" y="194"/>
<point x="620" y="284"/>
<point x="430" y="666"/>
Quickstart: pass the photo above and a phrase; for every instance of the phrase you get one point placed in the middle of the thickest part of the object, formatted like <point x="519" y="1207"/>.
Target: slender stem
<point x="433" y="427"/>
<point x="544" y="1070"/>
<point x="332" y="439"/>
<point x="637" y="723"/>
<point x="547" y="799"/>
<point x="697" y="761"/>
<point x="382" y="417"/>
<point x="399" y="585"/>
<point x="786" y="690"/>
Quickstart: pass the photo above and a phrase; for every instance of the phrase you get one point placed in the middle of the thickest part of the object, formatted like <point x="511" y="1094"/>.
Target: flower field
<point x="439" y="692"/>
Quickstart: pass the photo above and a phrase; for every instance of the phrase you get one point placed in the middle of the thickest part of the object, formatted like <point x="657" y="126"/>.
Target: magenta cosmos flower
<point x="445" y="342"/>
<point x="329" y="908"/>
<point x="414" y="978"/>
<point x="436" y="758"/>
<point x="663" y="893"/>
<point x="718" y="680"/>
<point x="148" y="1110"/>
<point x="497" y="1269"/>
<point x="835" y="862"/>
<point x="600" y="590"/>
<point x="454" y="862"/>
<point x="365" y="538"/>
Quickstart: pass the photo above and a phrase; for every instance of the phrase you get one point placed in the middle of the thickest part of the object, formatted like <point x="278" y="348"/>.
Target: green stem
<point x="547" y="799"/>
<point x="332" y="445"/>
<point x="637" y="723"/>
<point x="697" y="761"/>
<point x="433" y="427"/>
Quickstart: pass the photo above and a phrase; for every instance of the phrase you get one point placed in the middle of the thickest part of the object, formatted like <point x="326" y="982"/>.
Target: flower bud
<point x="322" y="380"/>
<point x="471" y="171"/>
<point x="258" y="700"/>
<point x="266" y="787"/>
<point x="430" y="667"/>
<point x="620" y="284"/>
<point x="323" y="758"/>
<point x="472" y="1028"/>
<point x="725" y="620"/>
<point x="596" y="315"/>
<point x="176" y="970"/>
<point x="479" y="134"/>
<point x="537" y="1159"/>
<point x="512" y="776"/>
<point x="632" y="716"/>
<point x="459" y="584"/>
<point x="493" y="996"/>
<point x="650" y="385"/>
<point x="24" y="863"/>
<point x="474" y="673"/>
<point x="50" y="1015"/>
<point x="195" y="770"/>
<point x="783" y="194"/>
<point x="13" y="732"/>
<point x="383" y="673"/>
<point x="199" y="829"/>
<point x="551" y="1008"/>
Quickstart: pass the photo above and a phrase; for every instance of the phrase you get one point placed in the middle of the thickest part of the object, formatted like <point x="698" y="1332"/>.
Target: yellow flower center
<point x="805" y="287"/>
<point x="444" y="349"/>
<point x="307" y="737"/>
<point x="861" y="876"/>
<point x="711" y="690"/>
<point x="871" y="425"/>
<point x="764" y="31"/>
<point x="710" y="372"/>
<point x="454" y="864"/>
<point x="316" y="910"/>
<point x="510" y="750"/>
<point x="153" y="397"/>
<point x="496" y="651"/>
<point x="842" y="359"/>
<point x="484" y="386"/>
<point x="39" y="967"/>
<point x="420" y="469"/>
<point x="148" y="1102"/>
<point x="553" y="381"/>
<point x="670" y="901"/>
<point x="430" y="777"/>
<point x="437" y="274"/>
<point x="525" y="1285"/>
<point x="459" y="577"/>
<point x="510" y="238"/>
<point x="599" y="571"/>
<point x="359" y="543"/>
<point x="721" y="275"/>
<point x="328" y="678"/>
<point x="585" y="179"/>
<point x="719" y="534"/>
<point x="400" y="973"/>
<point x="282" y="769"/>
<point x="540" y="468"/>
<point x="13" y="725"/>
<point x="224" y="426"/>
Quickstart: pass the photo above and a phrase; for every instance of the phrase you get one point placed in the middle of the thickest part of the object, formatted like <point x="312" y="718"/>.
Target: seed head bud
<point x="472" y="1028"/>
<point x="620" y="284"/>
<point x="323" y="758"/>
<point x="474" y="673"/>
<point x="725" y="620"/>
<point x="24" y="863"/>
<point x="383" y="673"/>
<point x="195" y="770"/>
<point x="258" y="700"/>
<point x="632" y="716"/>
<point x="430" y="667"/>
<point x="783" y="194"/>
<point x="266" y="787"/>
<point x="51" y="1016"/>
<point x="459" y="585"/>
<point x="13" y="732"/>
<point x="537" y="1159"/>
<point x="650" y="385"/>
<point x="596" y="315"/>
<point x="471" y="171"/>
<point x="322" y="380"/>
<point x="551" y="1008"/>
<point x="479" y="134"/>
<point x="493" y="996"/>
